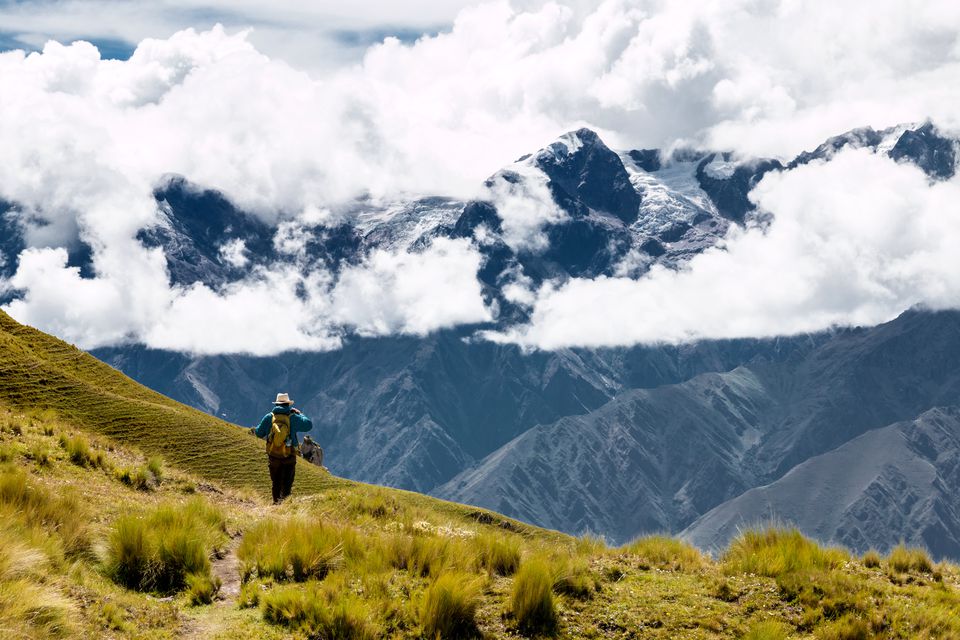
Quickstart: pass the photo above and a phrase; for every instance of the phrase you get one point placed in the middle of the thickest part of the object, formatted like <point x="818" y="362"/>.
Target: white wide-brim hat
<point x="283" y="398"/>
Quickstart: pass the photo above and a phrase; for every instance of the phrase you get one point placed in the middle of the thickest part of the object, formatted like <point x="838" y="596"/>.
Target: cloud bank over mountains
<point x="87" y="140"/>
<point x="855" y="241"/>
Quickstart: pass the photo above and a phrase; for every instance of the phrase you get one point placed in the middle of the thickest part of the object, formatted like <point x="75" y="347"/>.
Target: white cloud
<point x="234" y="253"/>
<point x="85" y="139"/>
<point x="524" y="206"/>
<point x="854" y="241"/>
<point x="412" y="293"/>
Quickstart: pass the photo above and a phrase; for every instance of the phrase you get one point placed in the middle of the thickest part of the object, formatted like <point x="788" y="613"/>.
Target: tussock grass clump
<point x="250" y="594"/>
<point x="40" y="454"/>
<point x="871" y="559"/>
<point x="572" y="577"/>
<point x="826" y="595"/>
<point x="590" y="545"/>
<point x="295" y="549"/>
<point x="201" y="589"/>
<point x="497" y="554"/>
<point x="28" y="609"/>
<point x="158" y="551"/>
<point x="449" y="607"/>
<point x="531" y="601"/>
<point x="665" y="552"/>
<point x="420" y="555"/>
<point x="146" y="477"/>
<point x="775" y="552"/>
<point x="318" y="612"/>
<point x="903" y="559"/>
<point x="374" y="503"/>
<point x="35" y="506"/>
<point x="138" y="477"/>
<point x="114" y="617"/>
<point x="80" y="453"/>
<point x="768" y="630"/>
<point x="848" y="627"/>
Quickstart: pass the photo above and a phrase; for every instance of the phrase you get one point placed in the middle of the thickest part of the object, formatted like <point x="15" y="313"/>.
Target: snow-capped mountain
<point x="614" y="441"/>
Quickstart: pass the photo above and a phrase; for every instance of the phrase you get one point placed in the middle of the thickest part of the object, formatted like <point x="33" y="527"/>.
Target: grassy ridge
<point x="37" y="370"/>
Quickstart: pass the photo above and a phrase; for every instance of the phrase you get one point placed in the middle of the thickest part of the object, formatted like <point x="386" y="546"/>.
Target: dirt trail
<point x="227" y="569"/>
<point x="212" y="621"/>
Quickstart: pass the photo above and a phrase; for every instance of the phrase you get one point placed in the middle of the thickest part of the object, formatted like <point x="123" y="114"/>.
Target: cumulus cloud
<point x="86" y="139"/>
<point x="412" y="293"/>
<point x="524" y="205"/>
<point x="854" y="241"/>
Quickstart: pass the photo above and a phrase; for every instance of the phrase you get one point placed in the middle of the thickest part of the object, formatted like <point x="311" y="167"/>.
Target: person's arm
<point x="263" y="428"/>
<point x="300" y="422"/>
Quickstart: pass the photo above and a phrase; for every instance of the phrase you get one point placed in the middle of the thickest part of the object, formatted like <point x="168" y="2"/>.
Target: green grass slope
<point x="102" y="537"/>
<point x="40" y="371"/>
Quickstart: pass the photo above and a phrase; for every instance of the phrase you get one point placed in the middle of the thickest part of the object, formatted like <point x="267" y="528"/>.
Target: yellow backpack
<point x="277" y="438"/>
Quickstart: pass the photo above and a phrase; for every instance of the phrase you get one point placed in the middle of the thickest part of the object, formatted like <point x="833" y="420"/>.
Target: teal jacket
<point x="299" y="423"/>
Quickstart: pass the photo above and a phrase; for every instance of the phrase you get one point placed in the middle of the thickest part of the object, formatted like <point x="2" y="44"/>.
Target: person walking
<point x="280" y="428"/>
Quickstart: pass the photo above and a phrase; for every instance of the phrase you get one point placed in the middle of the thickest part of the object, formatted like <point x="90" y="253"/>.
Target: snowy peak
<point x="585" y="173"/>
<point x="935" y="154"/>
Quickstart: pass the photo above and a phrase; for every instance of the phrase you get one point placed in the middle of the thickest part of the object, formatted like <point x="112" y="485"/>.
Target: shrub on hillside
<point x="63" y="514"/>
<point x="497" y="554"/>
<point x="155" y="466"/>
<point x="449" y="607"/>
<point x="768" y="630"/>
<point x="531" y="601"/>
<point x="871" y="559"/>
<point x="201" y="589"/>
<point x="420" y="555"/>
<point x="40" y="454"/>
<point x="157" y="552"/>
<point x="572" y="577"/>
<point x="775" y="552"/>
<point x="665" y="552"/>
<point x="317" y="612"/>
<point x="848" y="627"/>
<point x="903" y="559"/>
<point x="137" y="477"/>
<point x="146" y="477"/>
<point x="79" y="452"/>
<point x="291" y="549"/>
<point x="28" y="609"/>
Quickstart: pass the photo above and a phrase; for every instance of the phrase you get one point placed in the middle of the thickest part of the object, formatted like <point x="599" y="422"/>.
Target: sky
<point x="290" y="111"/>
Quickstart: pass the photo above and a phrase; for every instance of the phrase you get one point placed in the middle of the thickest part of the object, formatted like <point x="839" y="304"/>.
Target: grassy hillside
<point x="110" y="528"/>
<point x="39" y="371"/>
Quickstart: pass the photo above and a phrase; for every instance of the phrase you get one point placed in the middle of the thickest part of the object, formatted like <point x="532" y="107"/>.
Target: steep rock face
<point x="861" y="380"/>
<point x="649" y="460"/>
<point x="458" y="401"/>
<point x="863" y="138"/>
<point x="196" y="229"/>
<point x="897" y="482"/>
<point x="11" y="241"/>
<point x="925" y="147"/>
<point x="728" y="185"/>
<point x="717" y="435"/>
<point x="583" y="170"/>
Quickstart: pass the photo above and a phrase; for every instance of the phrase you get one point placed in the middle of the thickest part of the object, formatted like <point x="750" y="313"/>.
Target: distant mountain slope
<point x="414" y="412"/>
<point x="656" y="459"/>
<point x="903" y="478"/>
<point x="39" y="371"/>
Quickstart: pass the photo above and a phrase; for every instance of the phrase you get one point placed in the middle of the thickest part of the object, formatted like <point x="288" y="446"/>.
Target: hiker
<point x="280" y="428"/>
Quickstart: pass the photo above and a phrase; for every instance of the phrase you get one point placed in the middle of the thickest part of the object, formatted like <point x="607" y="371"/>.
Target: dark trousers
<point x="282" y="471"/>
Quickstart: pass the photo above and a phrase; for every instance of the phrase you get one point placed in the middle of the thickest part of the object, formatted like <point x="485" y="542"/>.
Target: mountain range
<point x="697" y="438"/>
